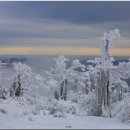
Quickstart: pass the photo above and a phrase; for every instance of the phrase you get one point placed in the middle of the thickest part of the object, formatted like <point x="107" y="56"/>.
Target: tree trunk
<point x="99" y="95"/>
<point x="63" y="89"/>
<point x="103" y="95"/>
<point x="18" y="92"/>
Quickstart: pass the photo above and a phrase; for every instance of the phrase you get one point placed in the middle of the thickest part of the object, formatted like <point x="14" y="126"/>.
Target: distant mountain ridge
<point x="12" y="59"/>
<point x="8" y="60"/>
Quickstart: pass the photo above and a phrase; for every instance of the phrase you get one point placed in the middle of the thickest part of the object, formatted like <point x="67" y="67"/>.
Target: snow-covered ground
<point x="18" y="114"/>
<point x="75" y="122"/>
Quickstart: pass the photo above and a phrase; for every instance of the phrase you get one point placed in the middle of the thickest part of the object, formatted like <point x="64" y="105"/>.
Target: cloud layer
<point x="62" y="24"/>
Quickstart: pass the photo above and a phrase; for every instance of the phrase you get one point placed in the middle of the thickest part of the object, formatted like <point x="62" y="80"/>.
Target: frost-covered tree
<point x="103" y="77"/>
<point x="25" y="79"/>
<point x="63" y="77"/>
<point x="119" y="89"/>
<point x="58" y="75"/>
<point x="119" y="76"/>
<point x="93" y="70"/>
<point x="76" y="76"/>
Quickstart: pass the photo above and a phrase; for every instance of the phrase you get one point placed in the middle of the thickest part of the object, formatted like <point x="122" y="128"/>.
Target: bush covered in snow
<point x="88" y="103"/>
<point x="60" y="108"/>
<point x="29" y="106"/>
<point x="124" y="114"/>
<point x="122" y="109"/>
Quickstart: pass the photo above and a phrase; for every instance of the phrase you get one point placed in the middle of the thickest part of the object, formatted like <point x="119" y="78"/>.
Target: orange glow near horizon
<point x="60" y="50"/>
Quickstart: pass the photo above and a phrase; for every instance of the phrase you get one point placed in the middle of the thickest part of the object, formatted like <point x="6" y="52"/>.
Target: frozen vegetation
<point x="96" y="95"/>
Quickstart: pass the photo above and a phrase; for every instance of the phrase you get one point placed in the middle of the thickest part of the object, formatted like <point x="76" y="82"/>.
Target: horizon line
<point x="61" y="51"/>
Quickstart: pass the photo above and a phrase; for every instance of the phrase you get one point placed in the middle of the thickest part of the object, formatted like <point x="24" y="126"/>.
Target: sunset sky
<point x="69" y="28"/>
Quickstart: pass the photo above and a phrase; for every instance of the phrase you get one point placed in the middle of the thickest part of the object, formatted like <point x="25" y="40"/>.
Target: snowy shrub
<point x="116" y="108"/>
<point x="124" y="115"/>
<point x="36" y="104"/>
<point x="88" y="103"/>
<point x="122" y="110"/>
<point x="56" y="111"/>
<point x="61" y="108"/>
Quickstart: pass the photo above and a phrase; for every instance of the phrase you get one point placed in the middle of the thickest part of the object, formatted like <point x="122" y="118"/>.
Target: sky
<point x="62" y="27"/>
